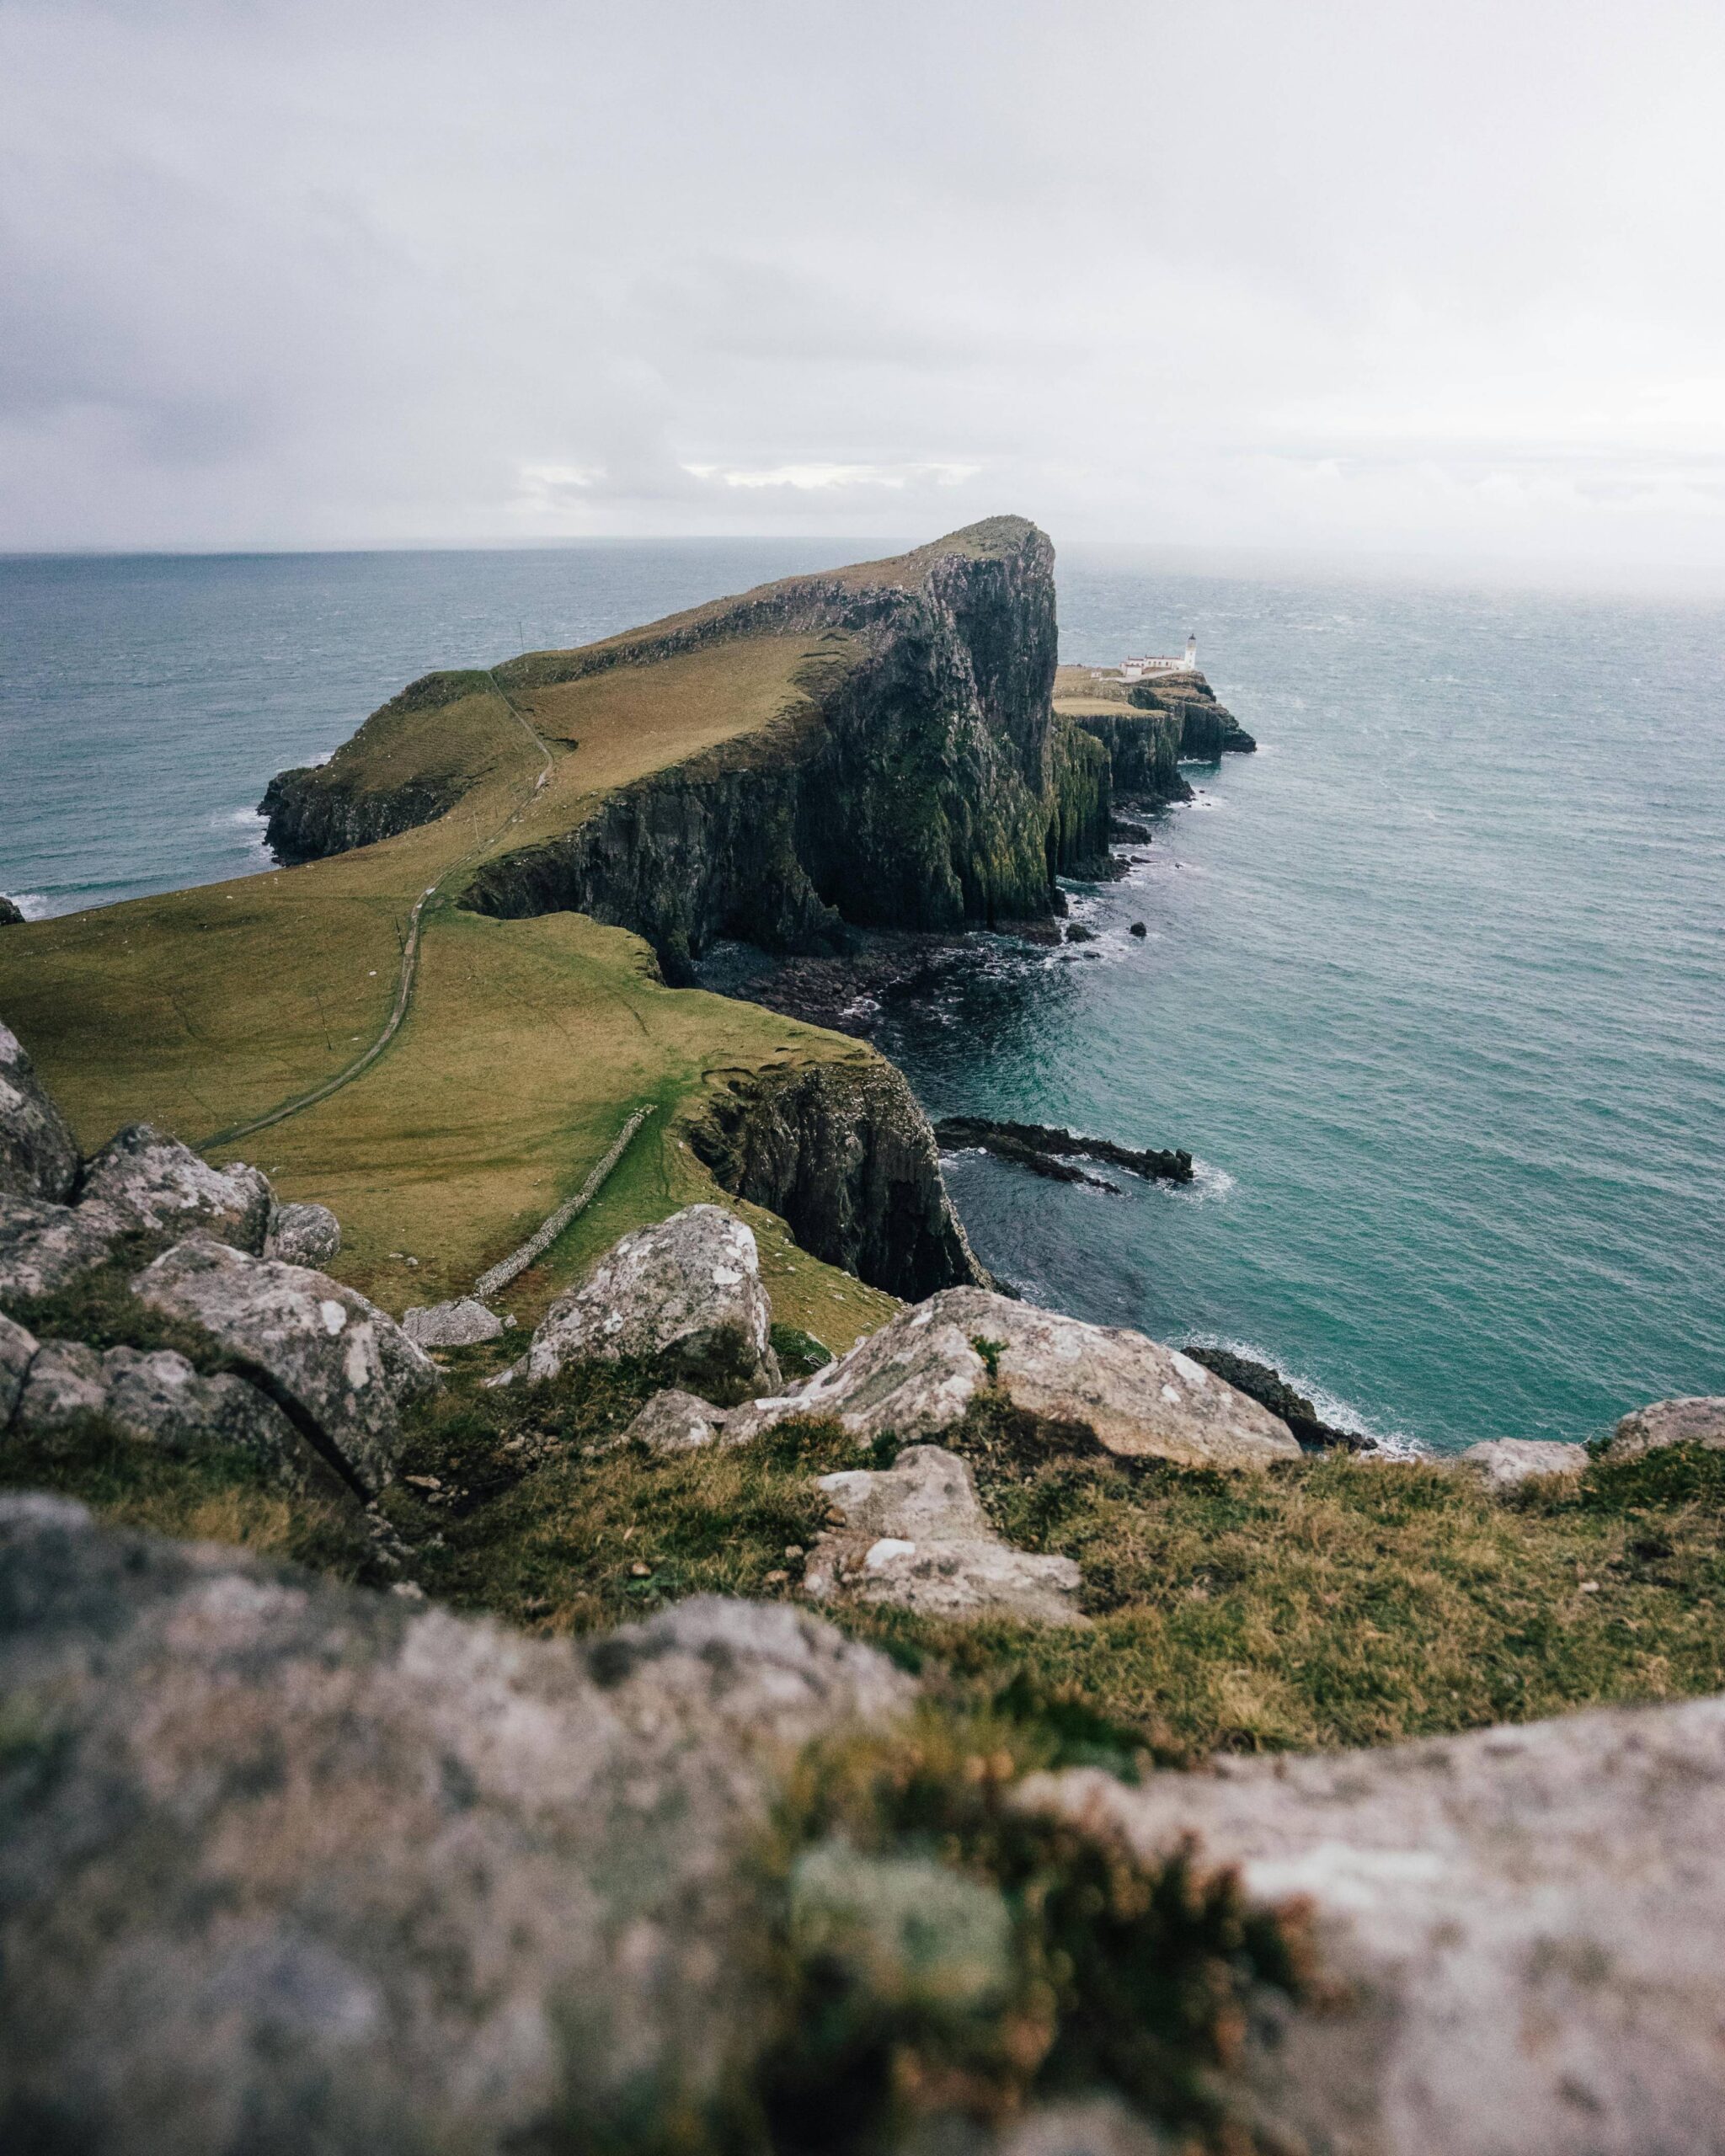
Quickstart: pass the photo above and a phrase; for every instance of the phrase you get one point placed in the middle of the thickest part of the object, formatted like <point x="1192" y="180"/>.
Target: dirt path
<point x="409" y="970"/>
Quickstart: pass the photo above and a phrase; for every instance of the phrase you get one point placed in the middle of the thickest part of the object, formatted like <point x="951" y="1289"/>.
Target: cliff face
<point x="930" y="788"/>
<point x="1143" y="751"/>
<point x="842" y="1152"/>
<point x="1207" y="729"/>
<point x="405" y="766"/>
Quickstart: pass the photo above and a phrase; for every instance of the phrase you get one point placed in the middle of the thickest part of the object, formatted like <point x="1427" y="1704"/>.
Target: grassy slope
<point x="527" y="1043"/>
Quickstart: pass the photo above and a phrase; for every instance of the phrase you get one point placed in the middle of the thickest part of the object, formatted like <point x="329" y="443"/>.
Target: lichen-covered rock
<point x="842" y="1151"/>
<point x="300" y="1234"/>
<point x="676" y="1421"/>
<point x="284" y="1866"/>
<point x="44" y="1246"/>
<point x="39" y="1155"/>
<point x="918" y="1374"/>
<point x="66" y="1384"/>
<point x="466" y="1322"/>
<point x="1693" y="1420"/>
<point x="159" y="1183"/>
<point x="916" y="1535"/>
<point x="17" y="1350"/>
<point x="336" y="1365"/>
<point x="1504" y="1462"/>
<point x="1519" y="1930"/>
<point x="686" y="1293"/>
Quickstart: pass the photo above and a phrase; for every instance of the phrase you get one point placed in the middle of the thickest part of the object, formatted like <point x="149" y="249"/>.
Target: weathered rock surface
<point x="159" y="1183"/>
<point x="1695" y="1421"/>
<point x="1528" y="1921"/>
<point x="1208" y="729"/>
<point x="463" y="1323"/>
<point x="44" y="1247"/>
<point x="842" y="1152"/>
<point x="333" y="1363"/>
<point x="39" y="1155"/>
<point x="65" y="1383"/>
<point x="10" y="914"/>
<point x="18" y="1348"/>
<point x="686" y="1292"/>
<point x="285" y="1866"/>
<point x="1045" y="1149"/>
<point x="300" y="1234"/>
<point x="1504" y="1462"/>
<point x="916" y="1535"/>
<point x="676" y="1421"/>
<point x="1262" y="1382"/>
<point x="918" y="1374"/>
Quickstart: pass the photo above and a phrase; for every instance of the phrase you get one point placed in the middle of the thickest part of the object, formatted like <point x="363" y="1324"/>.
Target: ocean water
<point x="1432" y="986"/>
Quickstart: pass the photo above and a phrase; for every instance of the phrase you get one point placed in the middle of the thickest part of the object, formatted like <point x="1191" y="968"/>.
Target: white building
<point x="1134" y="670"/>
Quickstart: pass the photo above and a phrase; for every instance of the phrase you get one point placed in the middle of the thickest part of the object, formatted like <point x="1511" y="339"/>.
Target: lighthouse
<point x="1192" y="654"/>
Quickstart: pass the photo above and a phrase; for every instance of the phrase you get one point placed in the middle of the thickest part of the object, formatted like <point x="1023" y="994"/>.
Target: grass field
<point x="527" y="1043"/>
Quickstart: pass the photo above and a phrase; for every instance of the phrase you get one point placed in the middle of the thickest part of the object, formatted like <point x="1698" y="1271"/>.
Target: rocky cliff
<point x="1208" y="729"/>
<point x="930" y="787"/>
<point x="843" y="1153"/>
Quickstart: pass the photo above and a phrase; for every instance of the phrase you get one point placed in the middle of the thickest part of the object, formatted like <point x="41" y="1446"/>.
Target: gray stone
<point x="287" y="1865"/>
<point x="17" y="1350"/>
<point x="676" y="1421"/>
<point x="462" y="1323"/>
<point x="919" y="1374"/>
<point x="65" y="1385"/>
<point x="1504" y="1462"/>
<point x="39" y="1155"/>
<point x="302" y="1234"/>
<point x="161" y="1400"/>
<point x="687" y="1293"/>
<point x="44" y="1247"/>
<point x="1691" y="1421"/>
<point x="1521" y="1928"/>
<point x="915" y="1536"/>
<point x="337" y="1364"/>
<point x="11" y="914"/>
<point x="161" y="1184"/>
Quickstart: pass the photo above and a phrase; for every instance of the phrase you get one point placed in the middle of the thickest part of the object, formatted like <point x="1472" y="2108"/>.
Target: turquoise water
<point x="1432" y="986"/>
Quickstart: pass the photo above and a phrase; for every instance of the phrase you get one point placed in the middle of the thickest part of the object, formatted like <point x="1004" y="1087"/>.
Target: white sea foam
<point x="1209" y="1184"/>
<point x="32" y="905"/>
<point x="1332" y="1408"/>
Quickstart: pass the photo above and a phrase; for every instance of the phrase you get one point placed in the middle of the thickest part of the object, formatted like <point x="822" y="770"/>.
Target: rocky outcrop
<point x="925" y="785"/>
<point x="842" y="1152"/>
<point x="674" y="1421"/>
<point x="1520" y="1928"/>
<point x="1046" y="1151"/>
<point x="1208" y="729"/>
<point x="1144" y="751"/>
<point x="288" y="1866"/>
<point x="302" y="1234"/>
<point x="1092" y="1384"/>
<point x="39" y="1155"/>
<point x="18" y="1351"/>
<point x="1506" y="1463"/>
<point x="916" y="1535"/>
<point x="159" y="1184"/>
<point x="393" y="774"/>
<point x="1693" y="1420"/>
<point x="45" y="1247"/>
<point x="338" y="1368"/>
<point x="1266" y="1385"/>
<point x="686" y="1293"/>
<point x="466" y="1322"/>
<point x="10" y="914"/>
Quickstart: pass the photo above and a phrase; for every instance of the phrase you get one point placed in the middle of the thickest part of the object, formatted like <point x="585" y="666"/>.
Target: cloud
<point x="1237" y="274"/>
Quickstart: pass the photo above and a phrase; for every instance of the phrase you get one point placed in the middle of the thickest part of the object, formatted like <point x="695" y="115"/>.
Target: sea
<point x="1432" y="986"/>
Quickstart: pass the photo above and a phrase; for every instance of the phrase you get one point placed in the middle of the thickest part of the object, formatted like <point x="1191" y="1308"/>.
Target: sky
<point x="1380" y="279"/>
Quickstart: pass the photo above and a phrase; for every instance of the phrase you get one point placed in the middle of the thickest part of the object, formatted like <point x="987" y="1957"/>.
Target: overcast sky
<point x="1445" y="278"/>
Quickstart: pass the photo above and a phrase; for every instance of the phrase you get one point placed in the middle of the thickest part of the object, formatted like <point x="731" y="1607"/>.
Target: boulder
<point x="161" y="1400"/>
<point x="291" y="1866"/>
<point x="919" y="1374"/>
<point x="1686" y="1422"/>
<point x="65" y="1384"/>
<point x="1519" y="1931"/>
<point x="916" y="1535"/>
<point x="159" y="1183"/>
<point x="336" y="1365"/>
<point x="686" y="1293"/>
<point x="11" y="914"/>
<point x="1504" y="1462"/>
<point x="302" y="1234"/>
<point x="463" y="1323"/>
<point x="676" y="1421"/>
<point x="39" y="1155"/>
<point x="44" y="1247"/>
<point x="17" y="1350"/>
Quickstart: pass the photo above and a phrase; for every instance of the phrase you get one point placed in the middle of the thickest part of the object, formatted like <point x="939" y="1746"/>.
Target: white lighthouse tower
<point x="1192" y="654"/>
